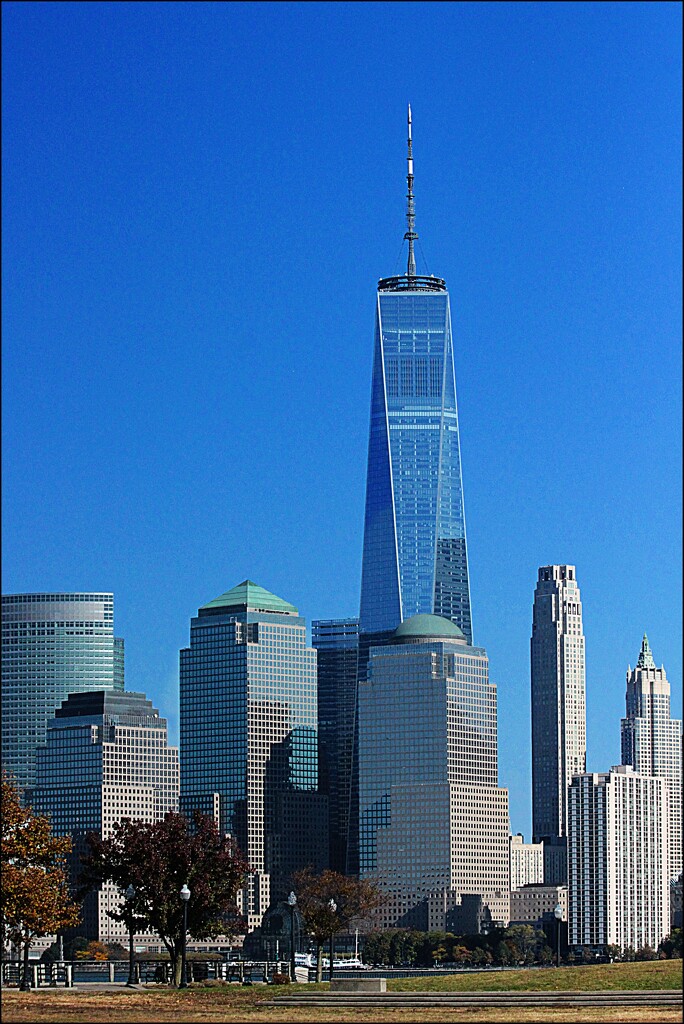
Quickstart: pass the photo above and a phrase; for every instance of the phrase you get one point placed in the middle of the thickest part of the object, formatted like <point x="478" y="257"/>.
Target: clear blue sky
<point x="198" y="200"/>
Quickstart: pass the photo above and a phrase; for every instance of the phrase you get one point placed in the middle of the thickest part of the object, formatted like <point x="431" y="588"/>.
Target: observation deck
<point x="411" y="283"/>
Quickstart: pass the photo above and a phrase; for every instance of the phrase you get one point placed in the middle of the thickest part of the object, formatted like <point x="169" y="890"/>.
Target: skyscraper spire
<point x="645" y="656"/>
<point x="410" y="235"/>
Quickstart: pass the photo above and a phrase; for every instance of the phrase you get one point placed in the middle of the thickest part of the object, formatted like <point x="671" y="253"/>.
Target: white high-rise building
<point x="652" y="741"/>
<point x="559" y="741"/>
<point x="617" y="860"/>
<point x="527" y="862"/>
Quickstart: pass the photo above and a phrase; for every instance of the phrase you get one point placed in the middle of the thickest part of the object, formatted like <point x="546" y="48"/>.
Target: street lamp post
<point x="185" y="896"/>
<point x="292" y="903"/>
<point x="333" y="907"/>
<point x="558" y="914"/>
<point x="130" y="896"/>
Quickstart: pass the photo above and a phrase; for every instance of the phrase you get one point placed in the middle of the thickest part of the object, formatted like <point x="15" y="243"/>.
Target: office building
<point x="248" y="737"/>
<point x="52" y="645"/>
<point x="432" y="818"/>
<point x="652" y="740"/>
<point x="558" y="700"/>
<point x="533" y="904"/>
<point x="617" y="860"/>
<point x="527" y="862"/>
<point x="106" y="757"/>
<point x="336" y="644"/>
<point x="555" y="860"/>
<point x="414" y="546"/>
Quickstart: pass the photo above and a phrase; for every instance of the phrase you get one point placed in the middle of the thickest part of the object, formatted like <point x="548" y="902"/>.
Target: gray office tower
<point x="248" y="737"/>
<point x="52" y="645"/>
<point x="434" y="823"/>
<point x="559" y="743"/>
<point x="336" y="643"/>
<point x="106" y="757"/>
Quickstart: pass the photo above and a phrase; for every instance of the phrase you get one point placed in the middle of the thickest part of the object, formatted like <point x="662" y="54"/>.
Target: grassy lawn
<point x="597" y="977"/>
<point x="233" y="1004"/>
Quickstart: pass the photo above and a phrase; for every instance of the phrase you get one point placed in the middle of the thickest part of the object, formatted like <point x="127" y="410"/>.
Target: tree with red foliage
<point x="157" y="859"/>
<point x="353" y="899"/>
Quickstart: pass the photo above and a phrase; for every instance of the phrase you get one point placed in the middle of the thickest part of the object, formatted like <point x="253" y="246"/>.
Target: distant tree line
<point x="403" y="947"/>
<point x="519" y="944"/>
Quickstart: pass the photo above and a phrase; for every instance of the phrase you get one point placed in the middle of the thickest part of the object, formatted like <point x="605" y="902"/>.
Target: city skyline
<point x="188" y="435"/>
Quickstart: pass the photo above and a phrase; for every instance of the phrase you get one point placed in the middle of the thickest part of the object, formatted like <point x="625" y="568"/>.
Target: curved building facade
<point x="52" y="645"/>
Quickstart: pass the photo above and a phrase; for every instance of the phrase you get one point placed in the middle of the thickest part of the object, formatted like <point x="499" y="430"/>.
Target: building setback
<point x="617" y="860"/>
<point x="248" y="737"/>
<point x="432" y="819"/>
<point x="52" y="645"/>
<point x="106" y="757"/>
<point x="559" y="741"/>
<point x="336" y="642"/>
<point x="652" y="740"/>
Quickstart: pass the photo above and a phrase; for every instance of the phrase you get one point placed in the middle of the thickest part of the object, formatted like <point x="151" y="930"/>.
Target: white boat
<point x="352" y="964"/>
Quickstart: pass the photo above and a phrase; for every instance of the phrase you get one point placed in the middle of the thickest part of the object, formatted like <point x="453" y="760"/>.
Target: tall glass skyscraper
<point x="415" y="557"/>
<point x="414" y="549"/>
<point x="52" y="645"/>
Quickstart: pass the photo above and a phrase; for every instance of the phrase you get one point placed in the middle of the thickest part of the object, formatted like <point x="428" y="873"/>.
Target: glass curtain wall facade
<point x="336" y="642"/>
<point x="414" y="549"/>
<point x="52" y="645"/>
<point x="248" y="737"/>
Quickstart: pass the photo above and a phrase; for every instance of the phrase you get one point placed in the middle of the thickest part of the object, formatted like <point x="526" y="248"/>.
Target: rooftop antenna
<point x="410" y="235"/>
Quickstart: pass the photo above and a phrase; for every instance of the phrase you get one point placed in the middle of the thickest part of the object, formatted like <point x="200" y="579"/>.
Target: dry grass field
<point x="204" y="1004"/>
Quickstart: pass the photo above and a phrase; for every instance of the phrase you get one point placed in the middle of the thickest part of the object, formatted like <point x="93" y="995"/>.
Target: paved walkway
<point x="84" y="986"/>
<point x="614" y="997"/>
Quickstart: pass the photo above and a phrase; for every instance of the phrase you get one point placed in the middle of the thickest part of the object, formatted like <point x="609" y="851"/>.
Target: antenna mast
<point x="410" y="235"/>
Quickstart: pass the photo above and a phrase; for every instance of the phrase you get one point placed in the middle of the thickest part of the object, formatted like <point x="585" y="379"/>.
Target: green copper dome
<point x="434" y="627"/>
<point x="248" y="595"/>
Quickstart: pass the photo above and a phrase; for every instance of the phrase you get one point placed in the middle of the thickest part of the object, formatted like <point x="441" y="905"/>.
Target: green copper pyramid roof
<point x="645" y="656"/>
<point x="248" y="594"/>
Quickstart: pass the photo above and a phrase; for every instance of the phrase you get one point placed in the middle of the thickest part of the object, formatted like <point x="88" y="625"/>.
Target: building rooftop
<point x="645" y="659"/>
<point x="106" y="702"/>
<point x="248" y="595"/>
<point x="433" y="627"/>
